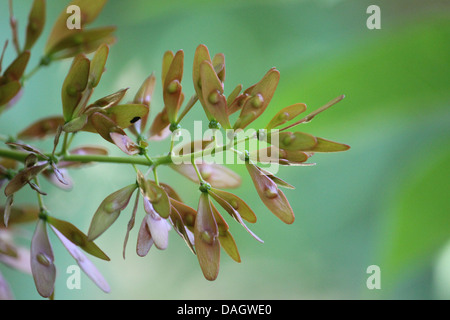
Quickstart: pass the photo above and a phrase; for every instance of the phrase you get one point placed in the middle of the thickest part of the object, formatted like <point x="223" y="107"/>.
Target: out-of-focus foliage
<point x="384" y="202"/>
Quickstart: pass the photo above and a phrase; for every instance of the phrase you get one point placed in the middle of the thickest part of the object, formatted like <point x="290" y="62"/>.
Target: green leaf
<point x="74" y="85"/>
<point x="74" y="235"/>
<point x="36" y="23"/>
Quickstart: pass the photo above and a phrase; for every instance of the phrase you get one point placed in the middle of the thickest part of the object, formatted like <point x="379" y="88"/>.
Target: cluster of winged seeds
<point x="127" y="125"/>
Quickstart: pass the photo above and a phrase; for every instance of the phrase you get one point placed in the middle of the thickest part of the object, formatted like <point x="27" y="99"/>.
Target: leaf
<point x="17" y="67"/>
<point x="260" y="97"/>
<point x="8" y="91"/>
<point x="74" y="85"/>
<point x="213" y="99"/>
<point x="85" y="264"/>
<point x="89" y="9"/>
<point x="36" y="23"/>
<point x="206" y="235"/>
<point x="236" y="203"/>
<point x="74" y="235"/>
<point x="41" y="129"/>
<point x="172" y="86"/>
<point x="215" y="174"/>
<point x="273" y="198"/>
<point x="286" y="114"/>
<point x="42" y="266"/>
<point x="98" y="65"/>
<point x="109" y="210"/>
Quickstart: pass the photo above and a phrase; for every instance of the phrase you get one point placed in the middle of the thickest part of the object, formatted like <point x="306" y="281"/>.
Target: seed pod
<point x="213" y="99"/>
<point x="41" y="129"/>
<point x="225" y="238"/>
<point x="36" y="23"/>
<point x="74" y="85"/>
<point x="215" y="174"/>
<point x="98" y="65"/>
<point x="85" y="264"/>
<point x="273" y="198"/>
<point x="109" y="210"/>
<point x="286" y="114"/>
<point x="260" y="97"/>
<point x="206" y="235"/>
<point x="74" y="235"/>
<point x="42" y="266"/>
<point x="172" y="87"/>
<point x="90" y="10"/>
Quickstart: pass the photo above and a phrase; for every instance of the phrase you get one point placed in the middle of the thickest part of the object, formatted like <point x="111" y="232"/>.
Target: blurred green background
<point x="385" y="202"/>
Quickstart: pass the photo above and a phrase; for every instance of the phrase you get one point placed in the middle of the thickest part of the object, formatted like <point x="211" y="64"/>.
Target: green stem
<point x="40" y="198"/>
<point x="199" y="175"/>
<point x="145" y="161"/>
